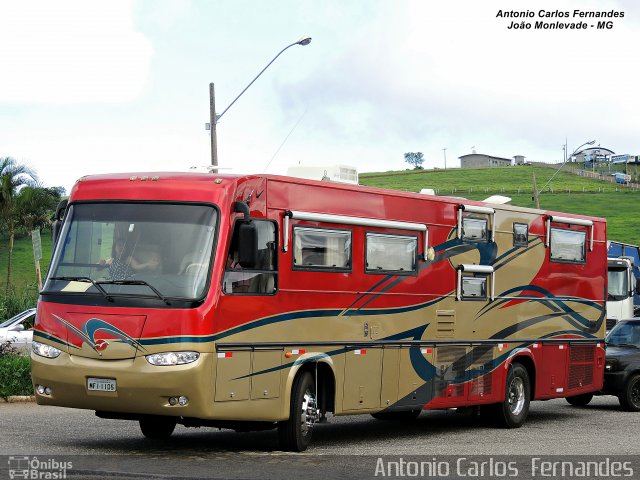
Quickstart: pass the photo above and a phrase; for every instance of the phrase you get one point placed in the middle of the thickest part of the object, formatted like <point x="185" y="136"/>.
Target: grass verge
<point x="15" y="375"/>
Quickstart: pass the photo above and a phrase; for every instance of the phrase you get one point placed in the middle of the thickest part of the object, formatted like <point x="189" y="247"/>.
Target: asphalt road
<point x="346" y="447"/>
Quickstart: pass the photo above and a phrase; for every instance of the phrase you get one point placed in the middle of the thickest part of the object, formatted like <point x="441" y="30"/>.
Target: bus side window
<point x="262" y="278"/>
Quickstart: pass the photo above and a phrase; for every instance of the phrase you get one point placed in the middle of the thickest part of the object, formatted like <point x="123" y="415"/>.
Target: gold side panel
<point x="390" y="373"/>
<point x="232" y="377"/>
<point x="266" y="385"/>
<point x="413" y="391"/>
<point x="362" y="379"/>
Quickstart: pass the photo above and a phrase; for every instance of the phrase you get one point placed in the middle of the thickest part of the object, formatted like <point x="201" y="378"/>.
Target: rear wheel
<point x="295" y="433"/>
<point x="157" y="428"/>
<point x="580" y="400"/>
<point x="513" y="410"/>
<point x="404" y="416"/>
<point x="630" y="396"/>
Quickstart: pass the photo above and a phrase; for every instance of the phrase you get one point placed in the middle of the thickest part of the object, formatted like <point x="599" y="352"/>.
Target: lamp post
<point x="212" y="103"/>
<point x="538" y="192"/>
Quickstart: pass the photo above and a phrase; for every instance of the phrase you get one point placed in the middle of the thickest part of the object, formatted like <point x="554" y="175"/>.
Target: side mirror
<point x="57" y="222"/>
<point x="247" y="244"/>
<point x="17" y="328"/>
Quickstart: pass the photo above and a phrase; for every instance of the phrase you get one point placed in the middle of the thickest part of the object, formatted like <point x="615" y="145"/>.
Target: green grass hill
<point x="567" y="192"/>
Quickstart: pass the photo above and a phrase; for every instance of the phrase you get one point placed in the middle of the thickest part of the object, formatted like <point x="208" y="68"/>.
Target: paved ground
<point x="346" y="447"/>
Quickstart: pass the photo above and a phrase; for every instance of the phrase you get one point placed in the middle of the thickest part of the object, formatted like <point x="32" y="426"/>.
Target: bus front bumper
<point x="140" y="388"/>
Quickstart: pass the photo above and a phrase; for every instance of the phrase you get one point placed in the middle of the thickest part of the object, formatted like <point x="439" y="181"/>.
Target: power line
<point x="285" y="139"/>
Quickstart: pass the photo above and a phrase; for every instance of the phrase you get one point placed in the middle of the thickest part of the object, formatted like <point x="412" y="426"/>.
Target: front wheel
<point x="295" y="433"/>
<point x="513" y="410"/>
<point x="157" y="428"/>
<point x="580" y="400"/>
<point x="630" y="396"/>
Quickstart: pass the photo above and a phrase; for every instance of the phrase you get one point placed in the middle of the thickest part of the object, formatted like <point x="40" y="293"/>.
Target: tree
<point x="415" y="159"/>
<point x="34" y="205"/>
<point x="13" y="176"/>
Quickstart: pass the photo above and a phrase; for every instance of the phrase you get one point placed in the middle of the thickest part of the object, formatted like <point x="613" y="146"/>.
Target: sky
<point x="95" y="86"/>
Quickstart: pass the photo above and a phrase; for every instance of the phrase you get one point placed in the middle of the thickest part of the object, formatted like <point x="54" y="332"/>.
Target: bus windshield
<point x="134" y="249"/>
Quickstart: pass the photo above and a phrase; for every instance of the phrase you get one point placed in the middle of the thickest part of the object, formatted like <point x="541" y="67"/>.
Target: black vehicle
<point x="622" y="367"/>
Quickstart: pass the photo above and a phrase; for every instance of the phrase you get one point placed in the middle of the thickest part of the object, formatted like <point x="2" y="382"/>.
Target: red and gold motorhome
<point x="262" y="301"/>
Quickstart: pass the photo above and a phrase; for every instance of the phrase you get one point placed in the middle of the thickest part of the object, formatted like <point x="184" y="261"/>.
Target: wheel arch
<point x="525" y="358"/>
<point x="315" y="363"/>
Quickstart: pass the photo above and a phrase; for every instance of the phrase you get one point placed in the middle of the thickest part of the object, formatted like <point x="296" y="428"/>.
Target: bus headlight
<point x="172" y="358"/>
<point x="45" y="350"/>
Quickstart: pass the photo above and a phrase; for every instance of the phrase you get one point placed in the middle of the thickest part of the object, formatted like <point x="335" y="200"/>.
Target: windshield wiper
<point x="86" y="280"/>
<point x="137" y="282"/>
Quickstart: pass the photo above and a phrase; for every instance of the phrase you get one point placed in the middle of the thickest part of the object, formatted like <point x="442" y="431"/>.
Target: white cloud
<point x="71" y="51"/>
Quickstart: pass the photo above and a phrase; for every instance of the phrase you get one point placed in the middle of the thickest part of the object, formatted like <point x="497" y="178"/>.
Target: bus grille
<point x="581" y="366"/>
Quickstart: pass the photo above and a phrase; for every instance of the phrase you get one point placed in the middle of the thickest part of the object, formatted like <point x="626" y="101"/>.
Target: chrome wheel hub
<point x="515" y="396"/>
<point x="310" y="413"/>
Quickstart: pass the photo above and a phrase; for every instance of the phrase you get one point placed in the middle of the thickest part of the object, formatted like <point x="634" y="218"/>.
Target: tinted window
<point x="391" y="253"/>
<point x="474" y="287"/>
<point x="520" y="234"/>
<point x="568" y="245"/>
<point x="625" y="333"/>
<point x="321" y="248"/>
<point x="474" y="229"/>
<point x="262" y="278"/>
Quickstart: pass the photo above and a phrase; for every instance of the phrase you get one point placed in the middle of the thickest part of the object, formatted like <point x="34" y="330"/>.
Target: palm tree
<point x="33" y="206"/>
<point x="13" y="176"/>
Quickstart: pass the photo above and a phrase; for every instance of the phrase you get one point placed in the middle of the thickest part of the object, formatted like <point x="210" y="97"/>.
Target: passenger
<point x="232" y="261"/>
<point x="153" y="263"/>
<point x="122" y="266"/>
<point x="118" y="264"/>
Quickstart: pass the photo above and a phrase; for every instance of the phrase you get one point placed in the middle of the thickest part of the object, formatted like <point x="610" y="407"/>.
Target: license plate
<point x="101" y="384"/>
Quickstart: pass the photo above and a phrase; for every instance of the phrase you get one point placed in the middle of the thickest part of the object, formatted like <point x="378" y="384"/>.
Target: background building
<point x="480" y="160"/>
<point x="598" y="154"/>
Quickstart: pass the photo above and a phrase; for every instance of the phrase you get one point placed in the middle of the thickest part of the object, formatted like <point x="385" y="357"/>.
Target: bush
<point x="15" y="372"/>
<point x="12" y="302"/>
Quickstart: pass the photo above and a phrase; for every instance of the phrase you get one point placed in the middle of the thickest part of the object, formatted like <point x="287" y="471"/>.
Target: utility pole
<point x="212" y="128"/>
<point x="444" y="150"/>
<point x="214" y="117"/>
<point x="536" y="201"/>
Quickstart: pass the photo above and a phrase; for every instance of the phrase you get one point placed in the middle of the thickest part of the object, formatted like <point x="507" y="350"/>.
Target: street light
<point x="538" y="192"/>
<point x="212" y="104"/>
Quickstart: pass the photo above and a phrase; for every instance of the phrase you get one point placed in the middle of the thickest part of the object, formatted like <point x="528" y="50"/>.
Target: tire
<point x="157" y="428"/>
<point x="295" y="433"/>
<point x="404" y="416"/>
<point x="513" y="410"/>
<point x="630" y="396"/>
<point x="580" y="400"/>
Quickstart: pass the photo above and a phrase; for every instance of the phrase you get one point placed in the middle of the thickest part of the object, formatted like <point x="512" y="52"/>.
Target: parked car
<point x="622" y="367"/>
<point x="18" y="330"/>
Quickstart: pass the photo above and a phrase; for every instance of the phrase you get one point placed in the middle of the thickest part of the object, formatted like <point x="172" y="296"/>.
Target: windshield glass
<point x="618" y="288"/>
<point x="624" y="333"/>
<point x="157" y="250"/>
